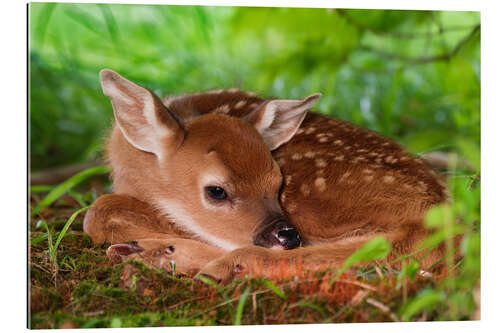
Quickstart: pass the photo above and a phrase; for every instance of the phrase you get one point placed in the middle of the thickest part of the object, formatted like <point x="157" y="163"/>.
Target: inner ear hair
<point x="143" y="119"/>
<point x="278" y="120"/>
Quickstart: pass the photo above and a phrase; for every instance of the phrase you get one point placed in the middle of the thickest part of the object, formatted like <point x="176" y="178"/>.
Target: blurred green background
<point x="414" y="76"/>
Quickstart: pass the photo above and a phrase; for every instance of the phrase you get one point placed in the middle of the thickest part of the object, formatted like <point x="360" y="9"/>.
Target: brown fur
<point x="342" y="185"/>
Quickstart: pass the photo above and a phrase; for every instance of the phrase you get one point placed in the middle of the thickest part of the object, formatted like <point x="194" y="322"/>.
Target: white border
<point x="13" y="138"/>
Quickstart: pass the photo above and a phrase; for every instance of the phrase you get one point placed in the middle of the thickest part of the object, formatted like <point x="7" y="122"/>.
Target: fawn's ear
<point x="141" y="116"/>
<point x="279" y="119"/>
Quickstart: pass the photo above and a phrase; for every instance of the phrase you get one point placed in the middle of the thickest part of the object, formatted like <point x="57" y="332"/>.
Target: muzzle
<point x="277" y="234"/>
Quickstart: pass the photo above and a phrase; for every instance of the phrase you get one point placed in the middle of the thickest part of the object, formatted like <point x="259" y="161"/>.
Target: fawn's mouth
<point x="278" y="235"/>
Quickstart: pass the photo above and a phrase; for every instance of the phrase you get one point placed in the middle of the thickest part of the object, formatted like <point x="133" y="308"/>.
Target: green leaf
<point x="426" y="300"/>
<point x="241" y="306"/>
<point x="275" y="289"/>
<point x="376" y="249"/>
<point x="116" y="323"/>
<point x="62" y="188"/>
<point x="435" y="217"/>
<point x="409" y="271"/>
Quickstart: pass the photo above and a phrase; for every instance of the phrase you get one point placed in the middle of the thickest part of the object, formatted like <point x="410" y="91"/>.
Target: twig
<point x="423" y="60"/>
<point x="58" y="175"/>
<point x="382" y="307"/>
<point x="403" y="35"/>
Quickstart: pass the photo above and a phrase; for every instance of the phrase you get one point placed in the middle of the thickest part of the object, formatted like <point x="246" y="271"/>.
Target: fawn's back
<point x="340" y="180"/>
<point x="232" y="169"/>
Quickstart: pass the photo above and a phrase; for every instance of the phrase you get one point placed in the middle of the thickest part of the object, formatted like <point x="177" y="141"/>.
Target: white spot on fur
<point x="310" y="130"/>
<point x="222" y="109"/>
<point x="339" y="158"/>
<point x="320" y="184"/>
<point x="422" y="185"/>
<point x="338" y="142"/>
<point x="388" y="179"/>
<point x="300" y="131"/>
<point x="368" y="171"/>
<point x="344" y="176"/>
<point x="217" y="91"/>
<point x="391" y="159"/>
<point x="283" y="197"/>
<point x="288" y="179"/>
<point x="323" y="139"/>
<point x="254" y="105"/>
<point x="233" y="90"/>
<point x="358" y="159"/>
<point x="240" y="104"/>
<point x="320" y="163"/>
<point x="310" y="154"/>
<point x="304" y="188"/>
<point x="296" y="156"/>
<point x="368" y="178"/>
<point x="291" y="207"/>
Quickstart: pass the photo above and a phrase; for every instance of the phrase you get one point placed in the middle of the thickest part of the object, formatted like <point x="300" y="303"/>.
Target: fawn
<point x="221" y="180"/>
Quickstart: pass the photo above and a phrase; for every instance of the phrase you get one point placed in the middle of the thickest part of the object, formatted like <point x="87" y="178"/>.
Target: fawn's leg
<point x="262" y="261"/>
<point x="152" y="239"/>
<point x="116" y="218"/>
<point x="186" y="255"/>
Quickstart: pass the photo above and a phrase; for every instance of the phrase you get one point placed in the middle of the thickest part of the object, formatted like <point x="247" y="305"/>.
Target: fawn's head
<point x="216" y="177"/>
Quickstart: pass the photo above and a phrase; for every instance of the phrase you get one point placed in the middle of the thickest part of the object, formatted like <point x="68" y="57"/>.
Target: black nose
<point x="277" y="234"/>
<point x="289" y="238"/>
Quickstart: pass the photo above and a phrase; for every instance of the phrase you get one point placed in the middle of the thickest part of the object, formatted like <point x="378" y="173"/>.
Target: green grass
<point x="72" y="283"/>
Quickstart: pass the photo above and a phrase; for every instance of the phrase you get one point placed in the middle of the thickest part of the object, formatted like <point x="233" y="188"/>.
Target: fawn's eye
<point x="216" y="192"/>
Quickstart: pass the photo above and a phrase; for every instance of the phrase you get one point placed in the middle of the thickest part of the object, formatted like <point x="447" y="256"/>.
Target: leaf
<point x="116" y="323"/>
<point x="376" y="249"/>
<point x="471" y="152"/>
<point x="435" y="217"/>
<point x="62" y="188"/>
<point x="241" y="306"/>
<point x="409" y="271"/>
<point x="426" y="300"/>
<point x="275" y="289"/>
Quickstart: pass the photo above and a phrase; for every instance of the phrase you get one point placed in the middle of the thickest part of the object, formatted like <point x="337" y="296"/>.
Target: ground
<point x="72" y="284"/>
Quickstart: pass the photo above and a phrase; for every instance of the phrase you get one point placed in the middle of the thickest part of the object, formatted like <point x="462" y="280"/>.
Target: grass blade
<point x="40" y="188"/>
<point x="38" y="239"/>
<point x="62" y="188"/>
<point x="67" y="225"/>
<point x="241" y="306"/>
<point x="376" y="249"/>
<point x="275" y="289"/>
